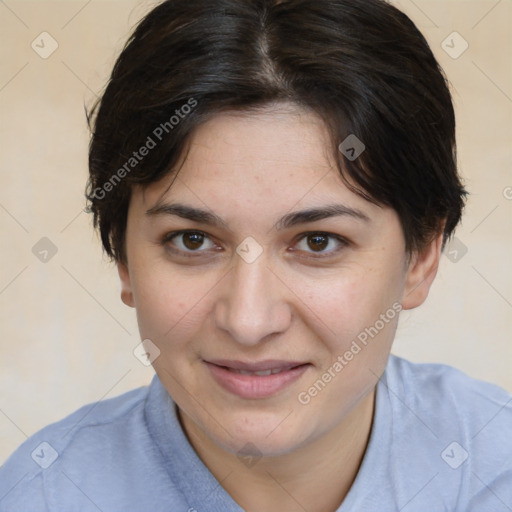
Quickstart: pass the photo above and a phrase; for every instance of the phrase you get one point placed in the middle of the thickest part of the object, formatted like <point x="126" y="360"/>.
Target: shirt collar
<point x="185" y="468"/>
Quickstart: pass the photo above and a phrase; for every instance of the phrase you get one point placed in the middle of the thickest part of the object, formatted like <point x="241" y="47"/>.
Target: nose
<point x="253" y="304"/>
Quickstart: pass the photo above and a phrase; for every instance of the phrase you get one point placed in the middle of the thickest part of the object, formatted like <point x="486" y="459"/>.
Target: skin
<point x="251" y="169"/>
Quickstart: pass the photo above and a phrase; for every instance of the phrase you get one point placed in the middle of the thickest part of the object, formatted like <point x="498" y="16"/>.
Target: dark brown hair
<point x="362" y="65"/>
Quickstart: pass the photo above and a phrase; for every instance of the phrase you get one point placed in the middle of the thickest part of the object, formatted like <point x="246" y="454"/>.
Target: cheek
<point x="361" y="313"/>
<point x="347" y="303"/>
<point x="170" y="304"/>
<point x="357" y="339"/>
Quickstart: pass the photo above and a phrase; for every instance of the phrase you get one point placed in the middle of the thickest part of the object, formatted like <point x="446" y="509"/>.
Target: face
<point x="271" y="290"/>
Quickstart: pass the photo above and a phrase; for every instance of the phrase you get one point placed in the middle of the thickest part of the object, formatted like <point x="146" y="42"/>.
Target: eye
<point x="188" y="242"/>
<point x="320" y="244"/>
<point x="196" y="243"/>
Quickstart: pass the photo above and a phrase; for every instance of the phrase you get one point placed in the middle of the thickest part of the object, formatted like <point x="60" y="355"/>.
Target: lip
<point x="255" y="386"/>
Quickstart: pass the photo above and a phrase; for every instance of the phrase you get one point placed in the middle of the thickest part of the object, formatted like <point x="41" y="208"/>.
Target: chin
<point x="262" y="435"/>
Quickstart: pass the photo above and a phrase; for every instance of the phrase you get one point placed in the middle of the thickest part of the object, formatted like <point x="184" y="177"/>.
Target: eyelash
<point x="194" y="254"/>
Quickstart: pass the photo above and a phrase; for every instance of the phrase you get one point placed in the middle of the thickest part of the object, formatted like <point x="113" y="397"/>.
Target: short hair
<point x="361" y="65"/>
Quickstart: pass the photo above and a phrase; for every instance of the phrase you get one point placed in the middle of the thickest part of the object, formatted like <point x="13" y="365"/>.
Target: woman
<point x="275" y="181"/>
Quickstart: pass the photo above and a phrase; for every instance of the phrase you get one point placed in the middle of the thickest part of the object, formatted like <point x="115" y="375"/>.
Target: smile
<point x="273" y="371"/>
<point x="255" y="380"/>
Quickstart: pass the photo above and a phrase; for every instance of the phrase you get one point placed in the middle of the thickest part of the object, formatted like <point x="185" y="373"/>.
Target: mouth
<point x="256" y="380"/>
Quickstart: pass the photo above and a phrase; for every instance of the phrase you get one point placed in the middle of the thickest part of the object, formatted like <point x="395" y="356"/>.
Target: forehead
<point x="284" y="134"/>
<point x="280" y="152"/>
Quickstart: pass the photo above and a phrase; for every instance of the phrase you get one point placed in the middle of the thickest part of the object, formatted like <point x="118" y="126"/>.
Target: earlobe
<point x="126" y="285"/>
<point x="421" y="273"/>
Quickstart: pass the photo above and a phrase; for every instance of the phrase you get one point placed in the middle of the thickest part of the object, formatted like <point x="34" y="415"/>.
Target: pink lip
<point x="255" y="386"/>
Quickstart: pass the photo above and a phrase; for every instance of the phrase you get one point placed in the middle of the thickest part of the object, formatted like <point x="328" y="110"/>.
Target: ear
<point x="421" y="273"/>
<point x="126" y="285"/>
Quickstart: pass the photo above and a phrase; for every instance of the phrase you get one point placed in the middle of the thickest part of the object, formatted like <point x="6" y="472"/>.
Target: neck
<point x="317" y="476"/>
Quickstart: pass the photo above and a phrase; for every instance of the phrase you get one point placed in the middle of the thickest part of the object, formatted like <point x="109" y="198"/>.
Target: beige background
<point x="66" y="337"/>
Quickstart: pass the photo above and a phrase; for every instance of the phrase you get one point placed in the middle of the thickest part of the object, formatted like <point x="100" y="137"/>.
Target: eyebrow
<point x="287" y="221"/>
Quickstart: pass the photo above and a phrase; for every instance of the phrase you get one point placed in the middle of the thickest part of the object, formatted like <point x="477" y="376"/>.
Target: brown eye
<point x="193" y="241"/>
<point x="317" y="242"/>
<point x="321" y="244"/>
<point x="188" y="242"/>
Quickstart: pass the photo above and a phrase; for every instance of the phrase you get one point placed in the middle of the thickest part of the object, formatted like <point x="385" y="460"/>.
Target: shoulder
<point x="92" y="438"/>
<point x="444" y="388"/>
<point x="449" y="401"/>
<point x="458" y="427"/>
<point x="110" y="413"/>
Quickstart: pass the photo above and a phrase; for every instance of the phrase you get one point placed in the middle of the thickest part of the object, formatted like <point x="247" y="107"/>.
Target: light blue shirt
<point x="440" y="441"/>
